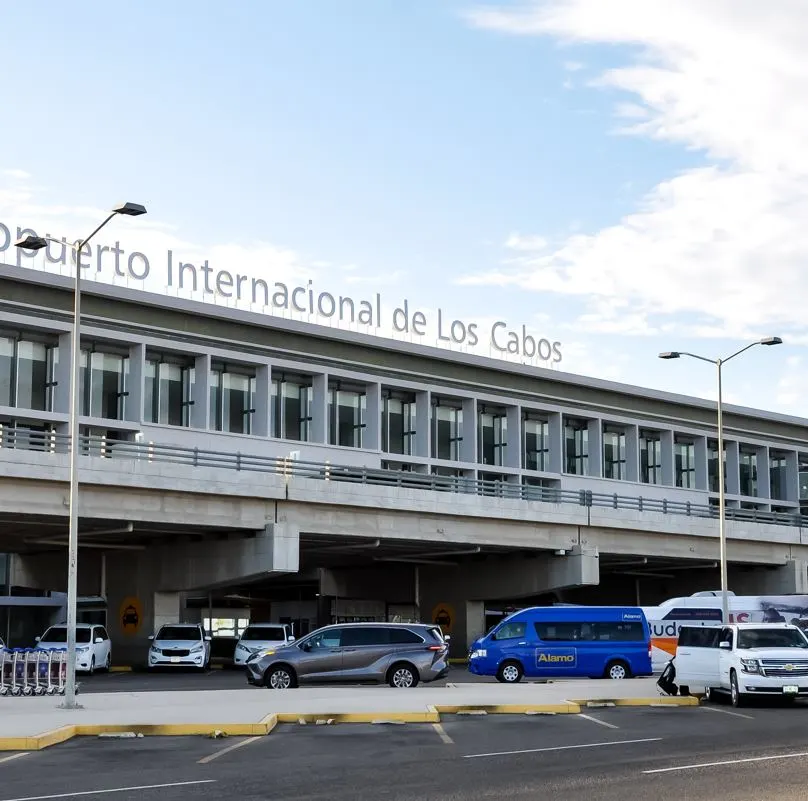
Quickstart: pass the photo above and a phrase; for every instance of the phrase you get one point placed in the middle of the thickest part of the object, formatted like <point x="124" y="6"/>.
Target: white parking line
<point x="13" y="756"/>
<point x="599" y="722"/>
<point x="112" y="790"/>
<point x="223" y="751"/>
<point x="442" y="734"/>
<point x="563" y="748"/>
<point x="727" y="762"/>
<point x="726" y="712"/>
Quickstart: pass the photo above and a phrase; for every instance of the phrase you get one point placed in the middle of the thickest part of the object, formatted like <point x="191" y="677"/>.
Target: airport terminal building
<point x="240" y="466"/>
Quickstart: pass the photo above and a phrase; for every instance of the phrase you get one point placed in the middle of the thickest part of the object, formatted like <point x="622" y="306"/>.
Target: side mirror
<point x="38" y="639"/>
<point x="99" y="640"/>
<point x="291" y="639"/>
<point x="151" y="636"/>
<point x="725" y="646"/>
<point x="207" y="638"/>
<point x="306" y="646"/>
<point x="447" y="637"/>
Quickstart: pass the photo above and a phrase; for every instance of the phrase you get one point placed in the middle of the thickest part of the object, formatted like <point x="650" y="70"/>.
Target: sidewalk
<point x="239" y="712"/>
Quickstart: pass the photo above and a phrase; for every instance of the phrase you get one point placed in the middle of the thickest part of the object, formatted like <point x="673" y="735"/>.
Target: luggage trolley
<point x="6" y="671"/>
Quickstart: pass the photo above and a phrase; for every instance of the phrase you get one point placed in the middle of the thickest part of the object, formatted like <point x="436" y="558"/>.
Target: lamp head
<point x="129" y="209"/>
<point x="670" y="354"/>
<point x="771" y="341"/>
<point x="31" y="242"/>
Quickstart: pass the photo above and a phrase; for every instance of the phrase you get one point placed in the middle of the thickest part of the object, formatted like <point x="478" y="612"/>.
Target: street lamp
<point x="722" y="539"/>
<point x="31" y="242"/>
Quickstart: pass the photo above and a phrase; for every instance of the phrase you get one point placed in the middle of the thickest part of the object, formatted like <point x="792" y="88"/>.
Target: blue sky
<point x="466" y="156"/>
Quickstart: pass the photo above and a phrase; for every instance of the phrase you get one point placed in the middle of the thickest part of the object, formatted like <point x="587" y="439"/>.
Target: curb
<point x="268" y="724"/>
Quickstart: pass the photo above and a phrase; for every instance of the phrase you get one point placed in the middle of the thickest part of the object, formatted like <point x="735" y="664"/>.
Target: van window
<point x="699" y="637"/>
<point x="694" y="613"/>
<point x="405" y="636"/>
<point x="264" y="634"/>
<point x="365" y="635"/>
<point x="510" y="631"/>
<point x="591" y="632"/>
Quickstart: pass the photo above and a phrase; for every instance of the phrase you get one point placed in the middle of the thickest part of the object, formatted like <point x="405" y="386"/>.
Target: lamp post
<point x="37" y="243"/>
<point x="722" y="538"/>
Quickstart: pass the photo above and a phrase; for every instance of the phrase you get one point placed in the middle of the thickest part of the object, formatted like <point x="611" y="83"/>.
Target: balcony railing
<point x="101" y="447"/>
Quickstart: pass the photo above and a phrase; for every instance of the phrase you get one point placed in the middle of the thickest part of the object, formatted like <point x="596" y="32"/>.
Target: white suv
<point x="93" y="647"/>
<point x="259" y="636"/>
<point x="180" y="645"/>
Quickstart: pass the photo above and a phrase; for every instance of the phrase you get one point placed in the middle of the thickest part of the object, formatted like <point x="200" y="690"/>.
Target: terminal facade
<point x="240" y="466"/>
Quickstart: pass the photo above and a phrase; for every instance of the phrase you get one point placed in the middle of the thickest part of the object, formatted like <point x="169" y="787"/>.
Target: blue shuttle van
<point x="557" y="641"/>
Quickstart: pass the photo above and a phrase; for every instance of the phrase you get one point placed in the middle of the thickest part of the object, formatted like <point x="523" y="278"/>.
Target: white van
<point x="743" y="660"/>
<point x="258" y="637"/>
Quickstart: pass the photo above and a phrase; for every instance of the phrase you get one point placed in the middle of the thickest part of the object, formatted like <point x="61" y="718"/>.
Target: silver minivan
<point x="399" y="654"/>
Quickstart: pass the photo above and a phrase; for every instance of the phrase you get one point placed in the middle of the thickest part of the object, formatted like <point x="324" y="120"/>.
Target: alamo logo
<point x="558" y="659"/>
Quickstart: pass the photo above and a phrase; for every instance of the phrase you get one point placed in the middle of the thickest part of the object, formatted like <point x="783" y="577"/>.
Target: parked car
<point x="259" y="637"/>
<point x="93" y="646"/>
<point x="180" y="645"/>
<point x="400" y="654"/>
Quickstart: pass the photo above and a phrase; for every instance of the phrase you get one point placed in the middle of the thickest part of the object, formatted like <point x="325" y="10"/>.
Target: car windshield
<point x="264" y="634"/>
<point x="771" y="638"/>
<point x="59" y="634"/>
<point x="178" y="633"/>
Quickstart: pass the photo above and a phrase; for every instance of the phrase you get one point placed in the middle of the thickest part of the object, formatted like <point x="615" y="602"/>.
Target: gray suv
<point x="401" y="654"/>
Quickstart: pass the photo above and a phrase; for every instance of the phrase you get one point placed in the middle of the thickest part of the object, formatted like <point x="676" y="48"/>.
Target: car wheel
<point x="617" y="670"/>
<point x="92" y="666"/>
<point x="279" y="678"/>
<point x="510" y="673"/>
<point x="735" y="694"/>
<point x="402" y="676"/>
<point x="108" y="663"/>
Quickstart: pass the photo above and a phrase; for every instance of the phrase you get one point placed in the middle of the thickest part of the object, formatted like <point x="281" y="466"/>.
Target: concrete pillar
<point x="372" y="439"/>
<point x="318" y="430"/>
<point x="423" y="424"/>
<point x="166" y="609"/>
<point x="668" y="459"/>
<point x="763" y="475"/>
<point x="792" y="492"/>
<point x="61" y="400"/>
<point x="632" y="453"/>
<point x="732" y="472"/>
<point x="200" y="411"/>
<point x="133" y="405"/>
<point x="556" y="434"/>
<point x="700" y="453"/>
<point x="261" y="422"/>
<point x="513" y="438"/>
<point x="595" y="448"/>
<point x="468" y="445"/>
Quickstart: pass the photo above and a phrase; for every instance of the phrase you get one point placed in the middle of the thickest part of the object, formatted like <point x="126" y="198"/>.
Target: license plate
<point x="791" y="689"/>
<point x="175" y="660"/>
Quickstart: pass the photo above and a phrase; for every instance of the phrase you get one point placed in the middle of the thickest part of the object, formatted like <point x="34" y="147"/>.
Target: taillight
<point x="435" y="647"/>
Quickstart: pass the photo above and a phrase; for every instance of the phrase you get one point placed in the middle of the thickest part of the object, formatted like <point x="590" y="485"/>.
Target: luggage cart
<point x="30" y="669"/>
<point x="17" y="671"/>
<point x="6" y="671"/>
<point x="57" y="671"/>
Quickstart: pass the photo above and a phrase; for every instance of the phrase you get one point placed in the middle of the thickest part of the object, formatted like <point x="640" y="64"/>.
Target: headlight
<point x="197" y="648"/>
<point x="478" y="653"/>
<point x="241" y="647"/>
<point x="155" y="650"/>
<point x="83" y="649"/>
<point x="750" y="665"/>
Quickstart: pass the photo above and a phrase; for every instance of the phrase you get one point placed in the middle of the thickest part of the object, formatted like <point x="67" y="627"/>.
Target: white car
<point x="93" y="647"/>
<point x="180" y="645"/>
<point x="259" y="636"/>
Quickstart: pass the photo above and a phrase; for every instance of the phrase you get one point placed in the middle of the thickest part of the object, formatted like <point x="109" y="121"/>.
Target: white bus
<point x="704" y="609"/>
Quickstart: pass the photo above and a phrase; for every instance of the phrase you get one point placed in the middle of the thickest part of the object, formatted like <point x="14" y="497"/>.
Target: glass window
<point x="398" y="425"/>
<point x="771" y="638"/>
<point x="7" y="347"/>
<point x="32" y="376"/>
<point x="576" y="448"/>
<point x="447" y="424"/>
<point x="168" y="392"/>
<point x="264" y="634"/>
<point x="650" y="457"/>
<point x="778" y="477"/>
<point x="406" y="637"/>
<point x="712" y="465"/>
<point x="614" y="454"/>
<point x="232" y="401"/>
<point x="492" y="430"/>
<point x="104" y="397"/>
<point x="510" y="631"/>
<point x="699" y="636"/>
<point x="346" y="417"/>
<point x="606" y="631"/>
<point x="291" y="409"/>
<point x="181" y="633"/>
<point x="330" y="638"/>
<point x="748" y="466"/>
<point x="685" y="463"/>
<point x="536" y="444"/>
<point x="365" y="635"/>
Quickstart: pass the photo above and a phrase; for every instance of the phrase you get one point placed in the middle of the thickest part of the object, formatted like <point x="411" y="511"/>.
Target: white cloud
<point x="525" y="243"/>
<point x="573" y="66"/>
<point x="20" y="175"/>
<point x="726" y="241"/>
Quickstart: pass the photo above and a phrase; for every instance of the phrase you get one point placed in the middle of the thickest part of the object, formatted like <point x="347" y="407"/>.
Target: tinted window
<point x="591" y="632"/>
<point x="59" y="634"/>
<point x="683" y="613"/>
<point x="330" y="638"/>
<point x="510" y="631"/>
<point x="699" y="637"/>
<point x="771" y="638"/>
<point x="264" y="633"/>
<point x="404" y="636"/>
<point x="179" y="633"/>
<point x="101" y="632"/>
<point x="365" y="635"/>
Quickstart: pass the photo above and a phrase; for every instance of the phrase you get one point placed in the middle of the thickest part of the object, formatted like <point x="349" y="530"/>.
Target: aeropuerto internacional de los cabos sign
<point x="201" y="281"/>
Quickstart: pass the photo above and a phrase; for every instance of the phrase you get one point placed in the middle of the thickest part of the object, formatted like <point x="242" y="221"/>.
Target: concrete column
<point x="668" y="461"/>
<point x="595" y="448"/>
<point x="263" y="401"/>
<point x="763" y="475"/>
<point x="632" y="453"/>
<point x="423" y="424"/>
<point x="166" y="609"/>
<point x="732" y="472"/>
<point x="556" y="433"/>
<point x="133" y="405"/>
<point x="513" y="438"/>
<point x="792" y="492"/>
<point x="200" y="411"/>
<point x="372" y="439"/>
<point x="318" y="431"/>
<point x="700" y="453"/>
<point x="61" y="400"/>
<point x="468" y="446"/>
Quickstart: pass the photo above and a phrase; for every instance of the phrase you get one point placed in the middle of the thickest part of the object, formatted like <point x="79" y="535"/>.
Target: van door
<point x="697" y="656"/>
<point x="511" y="642"/>
<point x="558" y="652"/>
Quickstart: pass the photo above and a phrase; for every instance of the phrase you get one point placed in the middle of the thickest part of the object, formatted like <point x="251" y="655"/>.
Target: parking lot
<point x="677" y="753"/>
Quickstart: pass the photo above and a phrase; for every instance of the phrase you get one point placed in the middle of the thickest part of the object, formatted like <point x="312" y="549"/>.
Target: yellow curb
<point x="661" y="701"/>
<point x="564" y="708"/>
<point x="121" y="669"/>
<point x="458" y="661"/>
<point x="430" y="716"/>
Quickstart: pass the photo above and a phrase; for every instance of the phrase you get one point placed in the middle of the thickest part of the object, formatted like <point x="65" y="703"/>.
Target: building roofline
<point x="199" y="308"/>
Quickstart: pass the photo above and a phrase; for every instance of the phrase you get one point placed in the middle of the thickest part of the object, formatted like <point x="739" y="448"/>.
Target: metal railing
<point x="102" y="447"/>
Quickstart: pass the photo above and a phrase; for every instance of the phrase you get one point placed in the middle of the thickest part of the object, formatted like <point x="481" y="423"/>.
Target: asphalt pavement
<point x="674" y="754"/>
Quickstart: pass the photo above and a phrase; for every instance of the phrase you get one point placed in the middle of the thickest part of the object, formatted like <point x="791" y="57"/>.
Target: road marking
<point x="728" y="762"/>
<point x="563" y="748"/>
<point x="112" y="790"/>
<point x="14" y="756"/>
<point x="727" y="712"/>
<point x="223" y="751"/>
<point x="599" y="722"/>
<point x="441" y="732"/>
